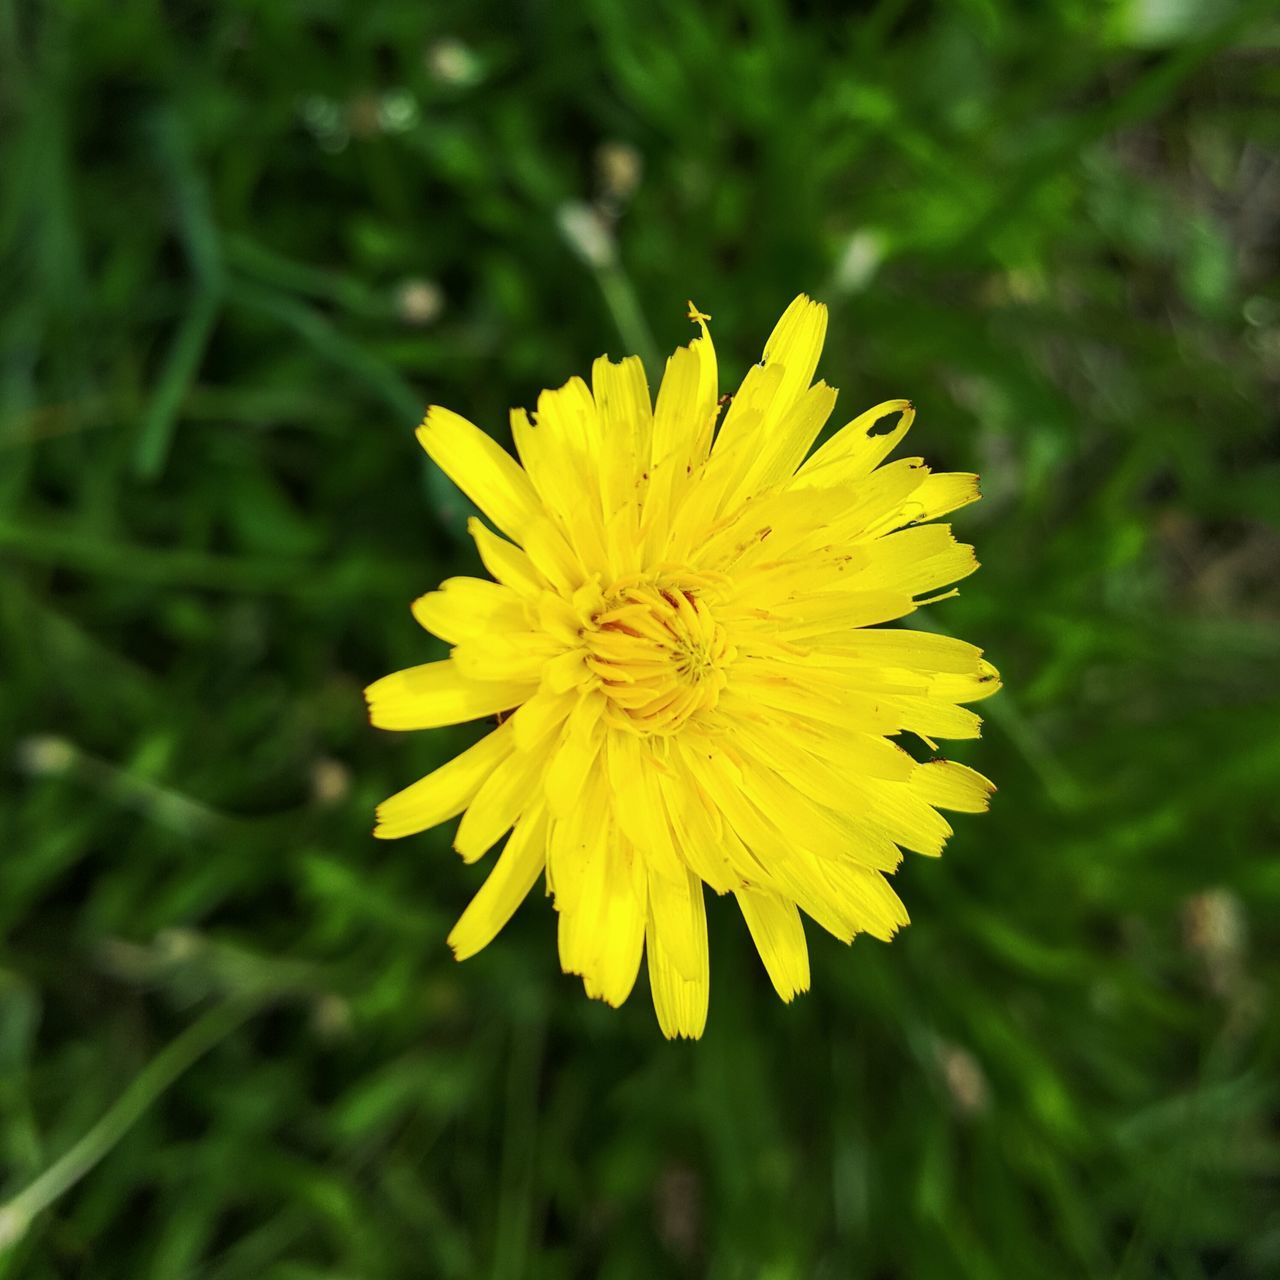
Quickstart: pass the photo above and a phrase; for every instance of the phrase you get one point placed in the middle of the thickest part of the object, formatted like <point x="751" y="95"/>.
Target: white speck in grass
<point x="44" y="755"/>
<point x="620" y="167"/>
<point x="397" y="111"/>
<point x="965" y="1079"/>
<point x="176" y="945"/>
<point x="863" y="254"/>
<point x="326" y="121"/>
<point x="330" y="782"/>
<point x="452" y="62"/>
<point x="331" y="1018"/>
<point x="587" y="234"/>
<point x="419" y="302"/>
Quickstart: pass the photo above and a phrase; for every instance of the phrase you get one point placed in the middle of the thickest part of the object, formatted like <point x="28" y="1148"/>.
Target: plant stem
<point x="162" y="1071"/>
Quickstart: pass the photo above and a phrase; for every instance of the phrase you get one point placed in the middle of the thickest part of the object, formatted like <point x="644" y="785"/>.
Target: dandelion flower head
<point x="682" y="642"/>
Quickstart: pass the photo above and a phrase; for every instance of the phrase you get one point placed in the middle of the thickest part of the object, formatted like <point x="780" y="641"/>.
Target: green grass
<point x="1051" y="226"/>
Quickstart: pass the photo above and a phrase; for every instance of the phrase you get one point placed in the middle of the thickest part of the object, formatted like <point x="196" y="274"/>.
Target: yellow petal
<point x="616" y="939"/>
<point x="933" y="716"/>
<point x="821" y="613"/>
<point x="820" y="754"/>
<point x="952" y="786"/>
<point x="543" y="715"/>
<point x="798" y="876"/>
<point x="863" y="709"/>
<point x="552" y="555"/>
<point x="869" y="900"/>
<point x="778" y="934"/>
<point x="842" y="897"/>
<point x="673" y="903"/>
<point x="445" y="792"/>
<point x="557" y="463"/>
<point x="708" y="384"/>
<point x="924" y="651"/>
<point x="481" y="468"/>
<point x="513" y="875"/>
<point x="506" y="793"/>
<point x="783" y="443"/>
<point x="637" y="803"/>
<point x="571" y="844"/>
<point x="598" y="896"/>
<point x="511" y="566"/>
<point x="918" y="559"/>
<point x="939" y="494"/>
<point x="695" y="824"/>
<point x="568" y="414"/>
<point x="625" y="411"/>
<point x="970" y="687"/>
<point x="825" y="903"/>
<point x="680" y="1002"/>
<point x="898" y="809"/>
<point x="574" y="757"/>
<point x="675" y="431"/>
<point x="436" y="694"/>
<point x="856" y="449"/>
<point x="741" y="434"/>
<point x="819" y="815"/>
<point x="770" y="526"/>
<point x="568" y="427"/>
<point x="872" y="505"/>
<point x="752" y="439"/>
<point x="795" y="344"/>
<point x="513" y="655"/>
<point x="567" y="671"/>
<point x="749" y="848"/>
<point x="467" y="607"/>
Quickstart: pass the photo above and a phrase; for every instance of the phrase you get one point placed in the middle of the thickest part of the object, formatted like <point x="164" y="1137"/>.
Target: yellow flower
<point x="683" y="620"/>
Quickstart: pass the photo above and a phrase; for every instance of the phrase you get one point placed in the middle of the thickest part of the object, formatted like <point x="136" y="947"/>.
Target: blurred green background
<point x="244" y="244"/>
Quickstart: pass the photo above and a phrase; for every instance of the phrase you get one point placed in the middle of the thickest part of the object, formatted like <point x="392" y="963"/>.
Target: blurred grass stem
<point x="633" y="328"/>
<point x="158" y="1075"/>
<point x="590" y="235"/>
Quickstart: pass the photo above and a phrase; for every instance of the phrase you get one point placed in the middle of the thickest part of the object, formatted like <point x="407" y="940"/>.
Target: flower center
<point x="659" y="654"/>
